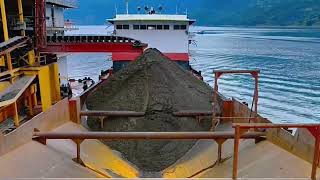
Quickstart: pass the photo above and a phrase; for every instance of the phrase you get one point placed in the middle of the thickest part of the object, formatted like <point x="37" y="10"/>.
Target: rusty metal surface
<point x="146" y="135"/>
<point x="112" y="113"/>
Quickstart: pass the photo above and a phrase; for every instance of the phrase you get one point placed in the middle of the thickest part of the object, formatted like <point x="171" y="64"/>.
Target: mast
<point x="127" y="6"/>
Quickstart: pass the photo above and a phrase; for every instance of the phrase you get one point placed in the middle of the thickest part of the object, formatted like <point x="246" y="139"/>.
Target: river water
<point x="289" y="60"/>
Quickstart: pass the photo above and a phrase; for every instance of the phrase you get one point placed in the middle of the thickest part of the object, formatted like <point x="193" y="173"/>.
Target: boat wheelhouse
<point x="167" y="33"/>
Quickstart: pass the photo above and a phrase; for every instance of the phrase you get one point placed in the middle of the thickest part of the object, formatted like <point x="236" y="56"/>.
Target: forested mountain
<point x="210" y="12"/>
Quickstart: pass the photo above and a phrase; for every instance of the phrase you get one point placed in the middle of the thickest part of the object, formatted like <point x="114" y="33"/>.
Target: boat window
<point x="166" y="27"/>
<point x="143" y="26"/>
<point x="126" y="26"/>
<point x="176" y="27"/>
<point x="180" y="27"/>
<point x="136" y="27"/>
<point x="183" y="27"/>
<point x="159" y="27"/>
<point x="151" y="27"/>
<point x="119" y="27"/>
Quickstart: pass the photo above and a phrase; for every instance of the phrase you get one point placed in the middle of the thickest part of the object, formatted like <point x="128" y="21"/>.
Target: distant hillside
<point x="210" y="12"/>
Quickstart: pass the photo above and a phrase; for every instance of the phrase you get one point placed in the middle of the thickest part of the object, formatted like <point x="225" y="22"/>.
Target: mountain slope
<point x="210" y="12"/>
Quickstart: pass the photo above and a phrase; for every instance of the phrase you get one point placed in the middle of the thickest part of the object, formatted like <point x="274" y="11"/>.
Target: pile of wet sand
<point x="157" y="86"/>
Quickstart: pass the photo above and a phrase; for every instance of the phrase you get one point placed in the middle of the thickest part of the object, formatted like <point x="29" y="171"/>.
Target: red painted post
<point x="315" y="159"/>
<point x="74" y="110"/>
<point x="214" y="101"/>
<point x="256" y="77"/>
<point x="78" y="152"/>
<point x="236" y="152"/>
<point x="315" y="131"/>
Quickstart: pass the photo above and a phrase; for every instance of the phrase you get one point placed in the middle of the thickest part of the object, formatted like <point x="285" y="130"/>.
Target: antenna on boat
<point x="146" y="8"/>
<point x="177" y="6"/>
<point x="139" y="9"/>
<point x="127" y="6"/>
<point x="176" y="9"/>
<point x="115" y="8"/>
<point x="160" y="8"/>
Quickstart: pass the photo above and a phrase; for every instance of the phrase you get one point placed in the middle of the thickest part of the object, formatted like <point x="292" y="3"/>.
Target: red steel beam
<point x="40" y="23"/>
<point x="242" y="71"/>
<point x="90" y="47"/>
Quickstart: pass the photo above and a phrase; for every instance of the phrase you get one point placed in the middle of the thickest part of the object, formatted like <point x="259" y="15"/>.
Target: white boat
<point x="165" y="32"/>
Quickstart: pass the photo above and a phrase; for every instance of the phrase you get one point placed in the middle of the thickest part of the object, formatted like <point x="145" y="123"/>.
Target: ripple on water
<point x="289" y="85"/>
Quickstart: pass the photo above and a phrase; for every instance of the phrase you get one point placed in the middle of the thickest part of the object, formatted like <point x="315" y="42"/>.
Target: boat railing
<point x="68" y="3"/>
<point x="241" y="131"/>
<point x="242" y="128"/>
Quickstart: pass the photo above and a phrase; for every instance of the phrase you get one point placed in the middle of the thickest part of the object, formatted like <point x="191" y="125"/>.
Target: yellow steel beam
<point x="4" y="20"/>
<point x="21" y="18"/>
<point x="5" y="32"/>
<point x="2" y="61"/>
<point x="45" y="87"/>
<point x="9" y="63"/>
<point x="31" y="57"/>
<point x="34" y="93"/>
<point x="55" y="86"/>
<point x="30" y="104"/>
<point x="16" y="115"/>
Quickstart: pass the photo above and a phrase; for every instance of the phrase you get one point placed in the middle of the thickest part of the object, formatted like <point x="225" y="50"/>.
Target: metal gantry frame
<point x="219" y="73"/>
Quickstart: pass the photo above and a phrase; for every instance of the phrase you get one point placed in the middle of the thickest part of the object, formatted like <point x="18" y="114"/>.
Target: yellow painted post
<point x="31" y="57"/>
<point x="45" y="88"/>
<point x="34" y="93"/>
<point x="56" y="82"/>
<point x="9" y="63"/>
<point x="16" y="115"/>
<point x="4" y="20"/>
<point x="21" y="18"/>
<point x="2" y="61"/>
<point x="30" y="106"/>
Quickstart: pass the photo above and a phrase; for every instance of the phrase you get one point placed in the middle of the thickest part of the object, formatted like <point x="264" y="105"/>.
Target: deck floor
<point x="94" y="154"/>
<point x="34" y="160"/>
